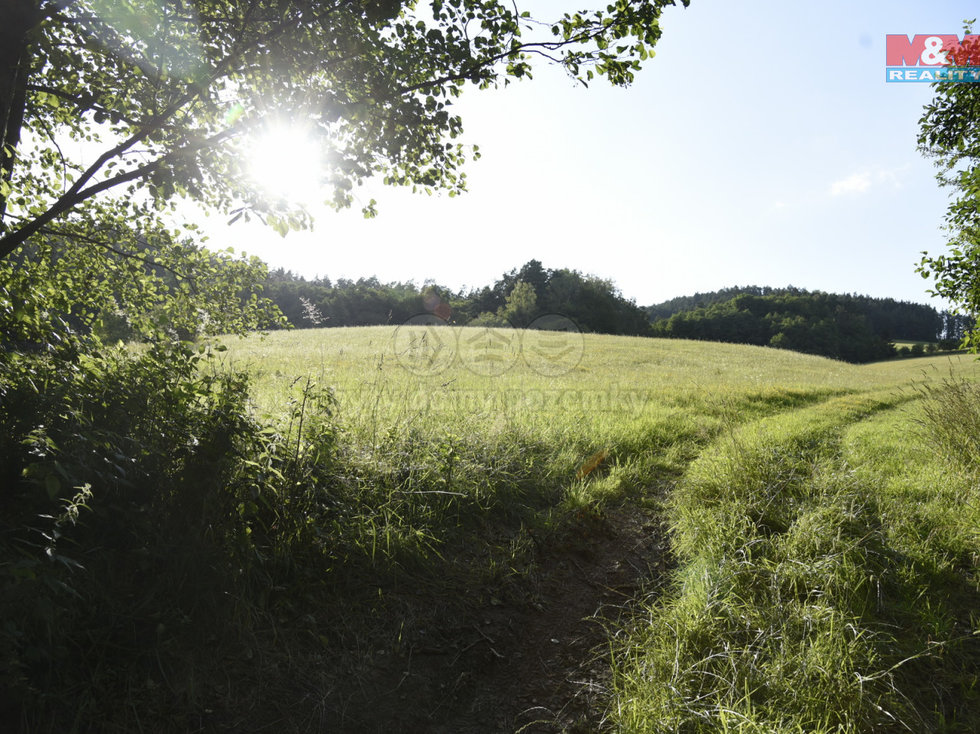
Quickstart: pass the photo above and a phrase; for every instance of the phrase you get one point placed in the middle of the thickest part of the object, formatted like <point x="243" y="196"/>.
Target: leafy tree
<point x="146" y="285"/>
<point x="594" y="304"/>
<point x="522" y="304"/>
<point x="949" y="132"/>
<point x="536" y="276"/>
<point x="167" y="95"/>
<point x="955" y="327"/>
<point x="886" y="317"/>
<point x="699" y="300"/>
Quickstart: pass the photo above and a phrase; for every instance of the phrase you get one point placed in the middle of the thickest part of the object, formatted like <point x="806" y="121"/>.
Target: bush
<point x="142" y="507"/>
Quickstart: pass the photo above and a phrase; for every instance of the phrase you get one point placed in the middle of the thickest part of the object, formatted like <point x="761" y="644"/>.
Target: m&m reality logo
<point x="932" y="57"/>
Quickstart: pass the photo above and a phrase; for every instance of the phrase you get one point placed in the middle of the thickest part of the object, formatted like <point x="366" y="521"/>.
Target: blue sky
<point x="761" y="145"/>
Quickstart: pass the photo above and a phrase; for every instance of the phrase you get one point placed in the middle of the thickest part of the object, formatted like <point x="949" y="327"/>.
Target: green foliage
<point x="949" y="132"/>
<point x="668" y="308"/>
<point x="850" y="328"/>
<point x="131" y="283"/>
<point x="887" y="317"/>
<point x="521" y="305"/>
<point x="364" y="302"/>
<point x="490" y="320"/>
<point x="593" y="304"/>
<point x="172" y="95"/>
<point x="143" y="506"/>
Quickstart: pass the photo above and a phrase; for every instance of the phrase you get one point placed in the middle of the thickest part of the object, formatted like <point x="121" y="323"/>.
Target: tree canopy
<point x="949" y="132"/>
<point x="164" y="97"/>
<point x="516" y="299"/>
<point x="852" y="328"/>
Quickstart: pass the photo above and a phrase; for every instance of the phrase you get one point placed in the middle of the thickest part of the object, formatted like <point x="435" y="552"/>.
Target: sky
<point x="760" y="146"/>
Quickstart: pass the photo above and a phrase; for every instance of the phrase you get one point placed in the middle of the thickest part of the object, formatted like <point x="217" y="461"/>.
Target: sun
<point x="286" y="164"/>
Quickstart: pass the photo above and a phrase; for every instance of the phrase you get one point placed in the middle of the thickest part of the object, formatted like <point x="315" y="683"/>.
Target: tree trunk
<point x="18" y="18"/>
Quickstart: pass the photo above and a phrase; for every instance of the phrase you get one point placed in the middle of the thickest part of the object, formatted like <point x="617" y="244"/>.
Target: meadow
<point x="821" y="517"/>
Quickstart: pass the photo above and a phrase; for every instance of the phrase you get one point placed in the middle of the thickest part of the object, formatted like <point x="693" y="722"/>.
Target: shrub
<point x="143" y="505"/>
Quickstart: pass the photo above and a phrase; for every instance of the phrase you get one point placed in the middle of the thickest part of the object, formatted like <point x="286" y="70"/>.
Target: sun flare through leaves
<point x="286" y="164"/>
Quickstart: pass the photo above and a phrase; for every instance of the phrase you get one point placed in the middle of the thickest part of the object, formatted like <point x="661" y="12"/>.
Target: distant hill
<point x="852" y="328"/>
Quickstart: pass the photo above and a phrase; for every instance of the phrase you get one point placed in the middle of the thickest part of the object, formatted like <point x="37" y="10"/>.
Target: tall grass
<point x="825" y="584"/>
<point x="952" y="419"/>
<point x="794" y="606"/>
<point x="314" y="499"/>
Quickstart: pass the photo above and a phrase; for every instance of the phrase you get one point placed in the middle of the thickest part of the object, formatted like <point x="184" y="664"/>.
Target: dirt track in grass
<point x="532" y="659"/>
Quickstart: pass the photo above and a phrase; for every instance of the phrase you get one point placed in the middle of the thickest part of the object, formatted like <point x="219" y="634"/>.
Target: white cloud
<point x="856" y="183"/>
<point x="862" y="181"/>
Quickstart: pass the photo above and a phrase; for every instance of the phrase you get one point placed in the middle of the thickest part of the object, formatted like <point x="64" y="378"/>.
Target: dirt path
<point x="532" y="664"/>
<point x="546" y="671"/>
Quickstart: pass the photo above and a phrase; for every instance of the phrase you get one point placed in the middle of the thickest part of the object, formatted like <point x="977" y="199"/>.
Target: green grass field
<point x="823" y="516"/>
<point x="617" y="381"/>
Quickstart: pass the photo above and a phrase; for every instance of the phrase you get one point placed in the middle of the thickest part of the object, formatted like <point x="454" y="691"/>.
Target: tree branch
<point x="539" y="47"/>
<point x="82" y="104"/>
<point x="76" y="195"/>
<point x="122" y="253"/>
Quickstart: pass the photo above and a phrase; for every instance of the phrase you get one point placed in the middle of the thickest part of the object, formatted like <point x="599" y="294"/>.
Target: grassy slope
<point x="827" y="582"/>
<point x="825" y="557"/>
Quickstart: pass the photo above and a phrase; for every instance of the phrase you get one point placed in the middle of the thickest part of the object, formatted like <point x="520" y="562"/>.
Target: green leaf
<point x="52" y="486"/>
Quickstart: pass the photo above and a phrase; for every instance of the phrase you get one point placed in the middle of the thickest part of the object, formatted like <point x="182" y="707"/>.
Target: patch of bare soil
<point x="531" y="657"/>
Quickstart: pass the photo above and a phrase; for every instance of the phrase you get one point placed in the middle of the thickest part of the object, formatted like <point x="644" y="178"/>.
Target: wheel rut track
<point x="536" y="661"/>
<point x="547" y="669"/>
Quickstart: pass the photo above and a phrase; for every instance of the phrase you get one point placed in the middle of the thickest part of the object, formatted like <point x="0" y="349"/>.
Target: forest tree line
<point x="852" y="328"/>
<point x="515" y="299"/>
<point x="849" y="327"/>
